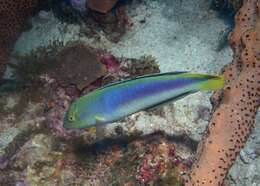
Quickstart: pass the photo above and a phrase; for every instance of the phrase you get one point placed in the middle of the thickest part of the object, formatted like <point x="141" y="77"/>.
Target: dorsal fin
<point x="140" y="77"/>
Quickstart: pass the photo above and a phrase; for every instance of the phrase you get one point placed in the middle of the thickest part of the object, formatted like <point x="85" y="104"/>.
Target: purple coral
<point x="79" y="5"/>
<point x="60" y="103"/>
<point x="113" y="65"/>
<point x="3" y="162"/>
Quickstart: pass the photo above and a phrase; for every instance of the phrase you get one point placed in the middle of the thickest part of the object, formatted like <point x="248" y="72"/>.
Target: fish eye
<point x="71" y="118"/>
<point x="72" y="114"/>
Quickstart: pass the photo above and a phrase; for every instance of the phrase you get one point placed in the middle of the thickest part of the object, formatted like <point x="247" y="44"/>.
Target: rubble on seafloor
<point x="42" y="160"/>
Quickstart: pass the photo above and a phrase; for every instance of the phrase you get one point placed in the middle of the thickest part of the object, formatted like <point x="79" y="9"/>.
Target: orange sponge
<point x="102" y="6"/>
<point x="234" y="118"/>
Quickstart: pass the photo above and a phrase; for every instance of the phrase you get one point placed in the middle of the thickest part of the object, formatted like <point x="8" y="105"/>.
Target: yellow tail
<point x="215" y="83"/>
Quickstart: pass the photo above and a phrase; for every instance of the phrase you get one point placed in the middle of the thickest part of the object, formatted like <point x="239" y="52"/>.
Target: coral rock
<point x="36" y="149"/>
<point x="102" y="6"/>
<point x="234" y="118"/>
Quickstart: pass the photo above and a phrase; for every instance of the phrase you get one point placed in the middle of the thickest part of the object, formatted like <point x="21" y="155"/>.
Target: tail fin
<point x="213" y="83"/>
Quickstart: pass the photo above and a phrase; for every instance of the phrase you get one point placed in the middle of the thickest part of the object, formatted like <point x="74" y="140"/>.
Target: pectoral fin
<point x="100" y="118"/>
<point x="100" y="131"/>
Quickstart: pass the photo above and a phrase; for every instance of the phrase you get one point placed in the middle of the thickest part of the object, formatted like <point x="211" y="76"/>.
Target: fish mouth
<point x="68" y="125"/>
<point x="74" y="125"/>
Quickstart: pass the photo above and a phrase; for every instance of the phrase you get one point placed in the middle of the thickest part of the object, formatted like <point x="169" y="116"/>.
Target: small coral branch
<point x="234" y="118"/>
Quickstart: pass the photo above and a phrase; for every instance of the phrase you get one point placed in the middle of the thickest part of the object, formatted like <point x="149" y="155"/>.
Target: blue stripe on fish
<point x="146" y="89"/>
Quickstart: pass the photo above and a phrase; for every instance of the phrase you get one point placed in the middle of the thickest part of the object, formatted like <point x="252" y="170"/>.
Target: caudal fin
<point x="213" y="83"/>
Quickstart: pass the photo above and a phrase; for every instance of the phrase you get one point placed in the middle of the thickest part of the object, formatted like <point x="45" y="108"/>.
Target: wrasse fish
<point x="117" y="100"/>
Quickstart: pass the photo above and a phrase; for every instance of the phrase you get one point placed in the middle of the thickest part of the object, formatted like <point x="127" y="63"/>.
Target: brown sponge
<point x="13" y="15"/>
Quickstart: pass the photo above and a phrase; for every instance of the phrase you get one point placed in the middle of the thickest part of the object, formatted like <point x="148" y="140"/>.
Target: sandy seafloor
<point x="182" y="37"/>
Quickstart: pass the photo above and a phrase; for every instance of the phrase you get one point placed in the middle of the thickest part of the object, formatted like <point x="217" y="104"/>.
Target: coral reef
<point x="149" y="161"/>
<point x="153" y="165"/>
<point x="32" y="152"/>
<point x="54" y="77"/>
<point x="102" y="6"/>
<point x="44" y="160"/>
<point x="39" y="156"/>
<point x="235" y="113"/>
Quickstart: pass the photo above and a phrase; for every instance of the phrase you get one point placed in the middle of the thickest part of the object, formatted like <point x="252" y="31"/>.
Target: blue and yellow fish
<point x="117" y="100"/>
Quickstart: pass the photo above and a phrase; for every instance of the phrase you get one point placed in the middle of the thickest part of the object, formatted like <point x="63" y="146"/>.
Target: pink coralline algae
<point x="58" y="105"/>
<point x="157" y="163"/>
<point x="113" y="65"/>
<point x="111" y="62"/>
